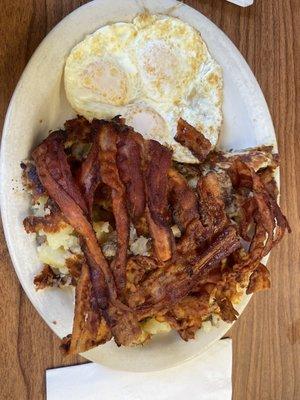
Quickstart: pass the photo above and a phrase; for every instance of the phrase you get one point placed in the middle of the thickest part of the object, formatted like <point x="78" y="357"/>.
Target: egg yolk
<point x="108" y="80"/>
<point x="160" y="68"/>
<point x="147" y="121"/>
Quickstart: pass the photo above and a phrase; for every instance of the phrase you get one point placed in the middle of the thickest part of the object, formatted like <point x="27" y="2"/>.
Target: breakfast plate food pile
<point x="138" y="204"/>
<point x="149" y="244"/>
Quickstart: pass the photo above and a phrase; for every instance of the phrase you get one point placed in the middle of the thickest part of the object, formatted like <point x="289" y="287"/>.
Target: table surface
<point x="266" y="338"/>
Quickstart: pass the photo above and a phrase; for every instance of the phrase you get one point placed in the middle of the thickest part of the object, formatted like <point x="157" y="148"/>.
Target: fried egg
<point x="101" y="75"/>
<point x="151" y="72"/>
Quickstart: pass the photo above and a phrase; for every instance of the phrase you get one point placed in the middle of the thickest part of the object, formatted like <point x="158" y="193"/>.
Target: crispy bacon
<point x="99" y="294"/>
<point x="227" y="197"/>
<point x="167" y="286"/>
<point x="267" y="178"/>
<point x="138" y="267"/>
<point x="89" y="327"/>
<point x="88" y="176"/>
<point x="52" y="151"/>
<point x="259" y="279"/>
<point x="255" y="158"/>
<point x="247" y="208"/>
<point x="212" y="206"/>
<point x="187" y="316"/>
<point x="124" y="325"/>
<point x="193" y="239"/>
<point x="78" y="129"/>
<point x="194" y="140"/>
<point x="227" y="312"/>
<point x="183" y="200"/>
<point x="158" y="165"/>
<point x="129" y="162"/>
<point x="186" y="214"/>
<point x="265" y="212"/>
<point x="104" y="295"/>
<point x="156" y="180"/>
<point x="56" y="177"/>
<point x="110" y="176"/>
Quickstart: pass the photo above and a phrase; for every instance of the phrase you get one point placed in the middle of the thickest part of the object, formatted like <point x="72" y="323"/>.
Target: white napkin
<point x="207" y="377"/>
<point x="243" y="3"/>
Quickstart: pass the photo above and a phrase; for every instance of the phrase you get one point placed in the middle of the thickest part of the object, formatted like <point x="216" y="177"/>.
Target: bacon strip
<point x="255" y="158"/>
<point x="110" y="176"/>
<point x="156" y="180"/>
<point x="167" y="286"/>
<point x="183" y="199"/>
<point x="186" y="214"/>
<point x="78" y="129"/>
<point x="129" y="162"/>
<point x="89" y="328"/>
<point x="267" y="214"/>
<point x="55" y="176"/>
<point x="267" y="178"/>
<point x="194" y="140"/>
<point x="261" y="211"/>
<point x="59" y="167"/>
<point x="103" y="293"/>
<point x="100" y="296"/>
<point x="212" y="207"/>
<point x="123" y="324"/>
<point x="193" y="239"/>
<point x="89" y="176"/>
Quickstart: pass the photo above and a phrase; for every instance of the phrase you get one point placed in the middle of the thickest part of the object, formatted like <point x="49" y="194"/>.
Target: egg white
<point x="203" y="106"/>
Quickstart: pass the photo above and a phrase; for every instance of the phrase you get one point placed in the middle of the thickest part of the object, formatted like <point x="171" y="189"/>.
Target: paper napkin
<point x="207" y="377"/>
<point x="243" y="3"/>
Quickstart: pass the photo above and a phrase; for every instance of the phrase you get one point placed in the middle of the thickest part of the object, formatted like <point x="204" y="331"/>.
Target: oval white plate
<point x="39" y="104"/>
